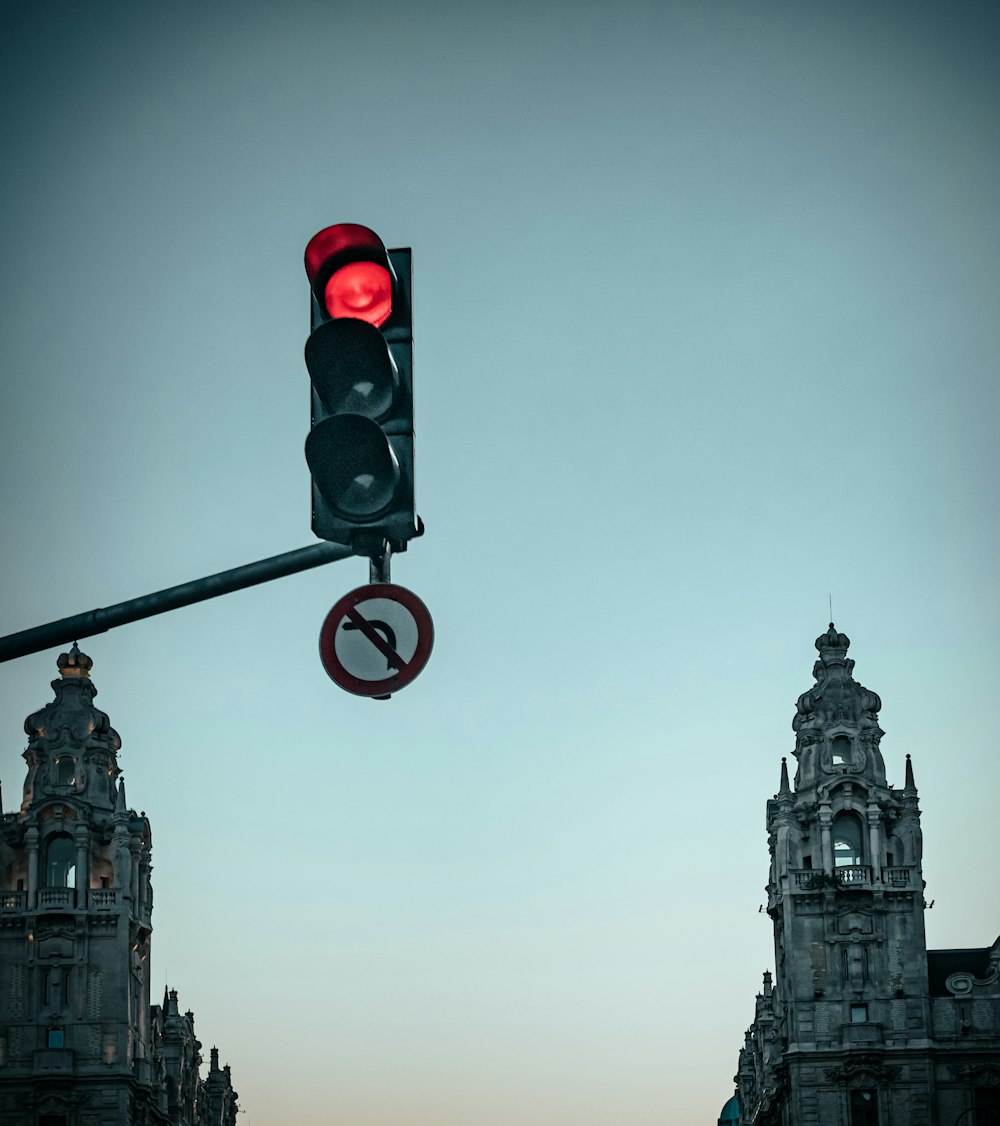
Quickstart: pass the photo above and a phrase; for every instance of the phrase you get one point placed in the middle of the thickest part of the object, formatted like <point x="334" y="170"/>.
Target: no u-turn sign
<point x="376" y="639"/>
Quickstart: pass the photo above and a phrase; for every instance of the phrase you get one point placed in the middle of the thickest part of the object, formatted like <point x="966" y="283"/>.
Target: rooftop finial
<point x="832" y="639"/>
<point x="74" y="663"/>
<point x="784" y="790"/>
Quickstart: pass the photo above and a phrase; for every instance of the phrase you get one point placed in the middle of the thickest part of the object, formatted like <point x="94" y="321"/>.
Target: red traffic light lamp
<point x="350" y="273"/>
<point x="360" y="361"/>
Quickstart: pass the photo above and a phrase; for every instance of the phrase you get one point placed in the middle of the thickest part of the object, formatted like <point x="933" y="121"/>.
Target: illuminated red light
<point x="362" y="290"/>
<point x="350" y="273"/>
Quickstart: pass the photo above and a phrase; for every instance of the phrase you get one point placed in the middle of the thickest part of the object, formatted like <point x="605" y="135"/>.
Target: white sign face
<point x="376" y="639"/>
<point x="359" y="653"/>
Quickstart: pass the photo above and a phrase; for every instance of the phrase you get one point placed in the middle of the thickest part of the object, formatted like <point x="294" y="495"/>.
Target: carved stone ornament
<point x="57" y="813"/>
<point x="862" y="1065"/>
<point x="962" y="983"/>
<point x="983" y="1074"/>
<point x="805" y="812"/>
<point x="48" y="1102"/>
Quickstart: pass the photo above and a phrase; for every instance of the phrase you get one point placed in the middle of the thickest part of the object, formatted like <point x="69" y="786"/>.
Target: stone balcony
<point x="53" y="1061"/>
<point x="61" y="899"/>
<point x="861" y="1032"/>
<point x="56" y="899"/>
<point x="898" y="877"/>
<point x="853" y="876"/>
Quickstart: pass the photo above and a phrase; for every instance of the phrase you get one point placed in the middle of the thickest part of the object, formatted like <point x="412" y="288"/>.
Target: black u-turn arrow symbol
<point x="384" y="628"/>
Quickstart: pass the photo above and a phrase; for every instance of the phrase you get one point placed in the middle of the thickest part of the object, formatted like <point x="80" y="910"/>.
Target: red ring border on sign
<point x="328" y="634"/>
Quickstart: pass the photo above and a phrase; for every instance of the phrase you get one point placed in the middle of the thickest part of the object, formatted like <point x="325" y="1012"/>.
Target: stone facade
<point x="861" y="1024"/>
<point x="80" y="1043"/>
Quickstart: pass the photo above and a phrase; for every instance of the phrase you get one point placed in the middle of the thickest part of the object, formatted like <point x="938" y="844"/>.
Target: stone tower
<point x="80" y="1044"/>
<point x="858" y="1025"/>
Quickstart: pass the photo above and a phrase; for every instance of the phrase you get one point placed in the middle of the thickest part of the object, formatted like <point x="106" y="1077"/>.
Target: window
<point x="864" y="1108"/>
<point x="859" y="1014"/>
<point x="60" y="862"/>
<point x="56" y="1038"/>
<point x="987" y="1106"/>
<point x="65" y="770"/>
<point x="807" y="862"/>
<point x="841" y="750"/>
<point x="846" y="840"/>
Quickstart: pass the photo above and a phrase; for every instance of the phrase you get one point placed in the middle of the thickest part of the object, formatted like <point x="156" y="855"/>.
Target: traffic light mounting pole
<point x="379" y="565"/>
<point x="198" y="590"/>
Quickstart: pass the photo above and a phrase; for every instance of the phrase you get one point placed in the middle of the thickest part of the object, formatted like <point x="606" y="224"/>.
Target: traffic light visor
<point x="350" y="274"/>
<point x="352" y="368"/>
<point x="353" y="466"/>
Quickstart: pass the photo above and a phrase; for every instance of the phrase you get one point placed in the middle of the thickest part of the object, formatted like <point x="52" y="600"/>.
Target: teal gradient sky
<point x="705" y="331"/>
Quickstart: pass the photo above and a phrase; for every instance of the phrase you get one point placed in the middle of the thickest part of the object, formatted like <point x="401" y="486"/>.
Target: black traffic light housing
<point x="360" y="361"/>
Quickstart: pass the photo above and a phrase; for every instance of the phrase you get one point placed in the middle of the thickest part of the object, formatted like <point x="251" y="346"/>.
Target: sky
<point x="705" y="342"/>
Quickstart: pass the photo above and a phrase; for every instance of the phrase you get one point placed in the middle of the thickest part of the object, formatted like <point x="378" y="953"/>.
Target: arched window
<point x="864" y="1108"/>
<point x="60" y="862"/>
<point x="841" y="750"/>
<point x="847" y="840"/>
<point x="65" y="770"/>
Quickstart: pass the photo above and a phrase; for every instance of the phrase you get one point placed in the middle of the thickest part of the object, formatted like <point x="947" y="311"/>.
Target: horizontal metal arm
<point x="101" y="620"/>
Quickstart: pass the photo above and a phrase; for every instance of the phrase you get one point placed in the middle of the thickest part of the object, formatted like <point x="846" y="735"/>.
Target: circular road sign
<point x="376" y="639"/>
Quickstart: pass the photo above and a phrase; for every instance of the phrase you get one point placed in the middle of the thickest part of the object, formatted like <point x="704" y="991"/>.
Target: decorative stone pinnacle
<point x="909" y="784"/>
<point x="74" y="663"/>
<point x="832" y="639"/>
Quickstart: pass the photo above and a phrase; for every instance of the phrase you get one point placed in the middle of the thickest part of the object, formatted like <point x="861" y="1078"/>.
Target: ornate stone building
<point x="861" y="1025"/>
<point x="80" y="1043"/>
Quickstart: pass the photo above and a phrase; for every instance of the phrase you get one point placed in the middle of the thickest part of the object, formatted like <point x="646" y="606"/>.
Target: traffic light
<point x="360" y="360"/>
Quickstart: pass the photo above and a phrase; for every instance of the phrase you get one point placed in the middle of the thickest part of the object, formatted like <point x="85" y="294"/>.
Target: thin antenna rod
<point x="831" y="609"/>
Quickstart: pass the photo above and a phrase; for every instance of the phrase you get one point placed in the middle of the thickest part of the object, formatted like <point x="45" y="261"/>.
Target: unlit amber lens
<point x="362" y="290"/>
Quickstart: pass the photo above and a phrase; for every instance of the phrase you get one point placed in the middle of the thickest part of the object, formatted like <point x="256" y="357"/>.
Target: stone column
<point x="82" y="865"/>
<point x="144" y="880"/>
<point x="825" y="821"/>
<point x="875" y="853"/>
<point x="122" y="860"/>
<point x="133" y="887"/>
<point x="31" y="840"/>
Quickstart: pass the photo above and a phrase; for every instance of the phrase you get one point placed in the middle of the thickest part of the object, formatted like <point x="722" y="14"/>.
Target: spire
<point x="910" y="785"/>
<point x="121" y="808"/>
<point x="784" y="790"/>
